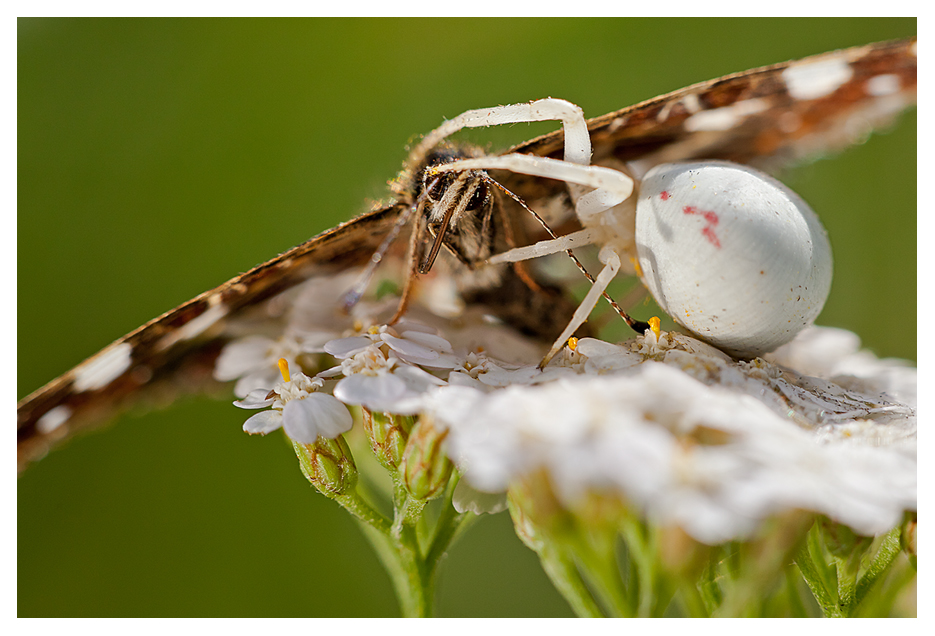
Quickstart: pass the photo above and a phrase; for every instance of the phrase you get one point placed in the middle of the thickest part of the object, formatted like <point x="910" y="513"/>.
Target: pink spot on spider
<point x="711" y="220"/>
<point x="664" y="195"/>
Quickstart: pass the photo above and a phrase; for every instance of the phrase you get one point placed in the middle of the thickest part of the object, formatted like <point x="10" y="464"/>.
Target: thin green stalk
<point x="847" y="570"/>
<point x="695" y="605"/>
<point x="420" y="596"/>
<point x="364" y="512"/>
<point x="796" y="606"/>
<point x="599" y="564"/>
<point x="881" y="602"/>
<point x="389" y="556"/>
<point x="643" y="555"/>
<point x="708" y="586"/>
<point x="882" y="560"/>
<point x="814" y="574"/>
<point x="449" y="526"/>
<point x="561" y="570"/>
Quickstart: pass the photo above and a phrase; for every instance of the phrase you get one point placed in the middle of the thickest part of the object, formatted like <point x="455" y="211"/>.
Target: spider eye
<point x="479" y="197"/>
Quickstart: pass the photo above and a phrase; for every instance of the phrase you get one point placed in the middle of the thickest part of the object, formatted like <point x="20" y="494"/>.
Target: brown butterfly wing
<point x="758" y="117"/>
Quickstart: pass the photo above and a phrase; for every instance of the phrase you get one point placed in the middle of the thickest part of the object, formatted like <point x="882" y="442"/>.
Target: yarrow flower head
<point x="382" y="367"/>
<point x="298" y="407"/>
<point x="694" y="438"/>
<point x="309" y="320"/>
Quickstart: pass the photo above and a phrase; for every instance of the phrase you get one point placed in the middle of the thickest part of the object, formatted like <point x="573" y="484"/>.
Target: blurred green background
<point x="157" y="158"/>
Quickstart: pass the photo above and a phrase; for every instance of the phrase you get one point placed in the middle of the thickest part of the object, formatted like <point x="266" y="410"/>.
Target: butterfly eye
<point x="731" y="254"/>
<point x="437" y="186"/>
<point x="479" y="197"/>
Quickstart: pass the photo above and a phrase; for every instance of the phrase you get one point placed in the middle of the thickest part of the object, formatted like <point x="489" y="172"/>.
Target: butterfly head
<point x="456" y="208"/>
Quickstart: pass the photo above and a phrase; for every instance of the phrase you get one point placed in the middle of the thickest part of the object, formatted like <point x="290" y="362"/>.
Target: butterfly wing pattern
<point x="768" y="117"/>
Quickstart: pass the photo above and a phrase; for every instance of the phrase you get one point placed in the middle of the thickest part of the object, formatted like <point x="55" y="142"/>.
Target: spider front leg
<point x="577" y="139"/>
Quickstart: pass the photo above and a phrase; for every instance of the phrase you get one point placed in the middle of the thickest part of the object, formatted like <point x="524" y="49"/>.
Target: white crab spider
<point x="729" y="253"/>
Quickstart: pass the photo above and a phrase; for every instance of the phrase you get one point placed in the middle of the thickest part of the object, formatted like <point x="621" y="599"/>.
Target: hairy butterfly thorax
<point x="463" y="217"/>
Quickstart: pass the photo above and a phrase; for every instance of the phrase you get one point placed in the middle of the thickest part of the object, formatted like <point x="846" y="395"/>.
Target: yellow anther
<point x="572" y="343"/>
<point x="654" y="325"/>
<point x="358" y="326"/>
<point x="373" y="330"/>
<point x="284" y="369"/>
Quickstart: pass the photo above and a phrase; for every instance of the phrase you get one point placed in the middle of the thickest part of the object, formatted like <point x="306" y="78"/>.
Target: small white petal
<point x="331" y="373"/>
<point x="409" y="348"/>
<point x="594" y="348"/>
<point x="241" y="356"/>
<point x="429" y="340"/>
<point x="263" y="422"/>
<point x="408" y="326"/>
<point x="346" y="347"/>
<point x="314" y="341"/>
<point x="467" y="499"/>
<point x="318" y="414"/>
<point x="459" y="378"/>
<point x="260" y="379"/>
<point x="416" y="379"/>
<point x="441" y="361"/>
<point x="255" y="400"/>
<point x="371" y="391"/>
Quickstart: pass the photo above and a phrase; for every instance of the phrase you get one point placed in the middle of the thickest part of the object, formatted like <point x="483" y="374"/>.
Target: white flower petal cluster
<point x="380" y="368"/>
<point x="299" y="408"/>
<point x="310" y="316"/>
<point x="252" y="361"/>
<point x="694" y="438"/>
<point x="673" y="426"/>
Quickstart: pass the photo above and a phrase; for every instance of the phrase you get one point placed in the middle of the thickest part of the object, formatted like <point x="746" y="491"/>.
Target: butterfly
<point x="767" y="117"/>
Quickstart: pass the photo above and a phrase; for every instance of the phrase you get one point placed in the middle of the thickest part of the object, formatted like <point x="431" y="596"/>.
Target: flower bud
<point x="388" y="435"/>
<point x="425" y="468"/>
<point x="328" y="465"/>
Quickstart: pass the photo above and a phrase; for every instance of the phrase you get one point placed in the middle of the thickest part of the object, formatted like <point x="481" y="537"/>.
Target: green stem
<point x="599" y="565"/>
<point x="561" y="570"/>
<point x="419" y="600"/>
<point x="882" y="560"/>
<point x="450" y="524"/>
<point x="847" y="569"/>
<point x="364" y="512"/>
<point x="796" y="607"/>
<point x="695" y="605"/>
<point x="881" y="602"/>
<point x="641" y="553"/>
<point x="815" y="573"/>
<point x="708" y="586"/>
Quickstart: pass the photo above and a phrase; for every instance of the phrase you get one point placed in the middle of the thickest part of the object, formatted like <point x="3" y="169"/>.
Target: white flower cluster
<point x="692" y="437"/>
<point x="298" y="408"/>
<point x="673" y="426"/>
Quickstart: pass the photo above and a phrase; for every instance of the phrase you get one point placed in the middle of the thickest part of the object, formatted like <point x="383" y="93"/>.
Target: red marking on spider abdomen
<point x="711" y="220"/>
<point x="664" y="195"/>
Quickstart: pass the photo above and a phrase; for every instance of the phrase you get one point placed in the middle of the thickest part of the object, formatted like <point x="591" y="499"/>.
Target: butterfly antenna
<point x="355" y="293"/>
<point x="636" y="325"/>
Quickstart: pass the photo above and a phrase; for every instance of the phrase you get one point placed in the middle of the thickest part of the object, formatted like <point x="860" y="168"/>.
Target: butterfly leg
<point x="412" y="258"/>
<point x="610" y="188"/>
